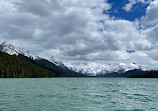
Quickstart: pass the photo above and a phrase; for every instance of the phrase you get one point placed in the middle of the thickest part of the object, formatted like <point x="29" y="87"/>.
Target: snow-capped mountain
<point x="142" y="67"/>
<point x="11" y="50"/>
<point x="122" y="68"/>
<point x="89" y="72"/>
<point x="57" y="62"/>
<point x="119" y="69"/>
<point x="81" y="71"/>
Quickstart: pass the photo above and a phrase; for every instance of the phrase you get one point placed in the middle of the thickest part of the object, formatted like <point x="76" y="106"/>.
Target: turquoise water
<point x="79" y="94"/>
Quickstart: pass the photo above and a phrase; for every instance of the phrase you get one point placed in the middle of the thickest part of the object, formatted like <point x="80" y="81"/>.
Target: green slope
<point x="14" y="67"/>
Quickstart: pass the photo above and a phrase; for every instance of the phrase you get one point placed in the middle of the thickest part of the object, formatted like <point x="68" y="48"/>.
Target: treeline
<point x="14" y="67"/>
<point x="150" y="74"/>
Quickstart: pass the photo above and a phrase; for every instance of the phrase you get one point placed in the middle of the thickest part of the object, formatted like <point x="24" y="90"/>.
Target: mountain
<point x="13" y="67"/>
<point x="57" y="62"/>
<point x="11" y="50"/>
<point x="59" y="72"/>
<point x="116" y="70"/>
<point x="89" y="72"/>
<point x="58" y="68"/>
<point x="125" y="74"/>
<point x="149" y="74"/>
<point x="120" y="70"/>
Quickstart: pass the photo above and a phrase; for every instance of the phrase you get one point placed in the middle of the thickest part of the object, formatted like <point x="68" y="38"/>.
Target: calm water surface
<point x="79" y="94"/>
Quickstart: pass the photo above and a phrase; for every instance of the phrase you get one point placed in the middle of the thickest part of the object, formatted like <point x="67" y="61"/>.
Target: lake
<point x="79" y="94"/>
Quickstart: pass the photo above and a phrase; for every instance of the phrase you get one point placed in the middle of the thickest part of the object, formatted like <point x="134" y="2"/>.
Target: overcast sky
<point x="84" y="33"/>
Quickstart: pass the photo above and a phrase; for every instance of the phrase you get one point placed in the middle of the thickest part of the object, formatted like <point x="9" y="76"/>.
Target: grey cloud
<point x="153" y="34"/>
<point x="37" y="7"/>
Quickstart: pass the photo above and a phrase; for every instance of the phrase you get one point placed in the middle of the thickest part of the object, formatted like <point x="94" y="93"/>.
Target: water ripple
<point x="79" y="94"/>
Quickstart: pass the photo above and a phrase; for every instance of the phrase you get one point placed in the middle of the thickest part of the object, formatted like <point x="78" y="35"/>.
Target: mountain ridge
<point x="118" y="71"/>
<point x="41" y="62"/>
<point x="13" y="67"/>
<point x="11" y="50"/>
<point x="60" y="69"/>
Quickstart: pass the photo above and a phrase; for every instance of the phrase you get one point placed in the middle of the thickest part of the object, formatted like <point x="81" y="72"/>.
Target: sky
<point x="84" y="33"/>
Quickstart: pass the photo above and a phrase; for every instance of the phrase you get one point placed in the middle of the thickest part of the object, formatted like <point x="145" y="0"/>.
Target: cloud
<point x="69" y="30"/>
<point x="151" y="14"/>
<point x="152" y="34"/>
<point x="129" y="6"/>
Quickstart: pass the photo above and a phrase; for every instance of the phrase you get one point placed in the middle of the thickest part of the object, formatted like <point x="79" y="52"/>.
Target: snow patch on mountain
<point x="120" y="69"/>
<point x="11" y="50"/>
<point x="57" y="62"/>
<point x="88" y="71"/>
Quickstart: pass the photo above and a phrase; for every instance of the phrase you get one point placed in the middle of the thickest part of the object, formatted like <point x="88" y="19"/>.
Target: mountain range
<point x="117" y="71"/>
<point x="56" y="67"/>
<point x="61" y="70"/>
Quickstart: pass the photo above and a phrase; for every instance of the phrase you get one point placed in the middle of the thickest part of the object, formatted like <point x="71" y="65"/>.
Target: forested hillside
<point x="14" y="67"/>
<point x="59" y="72"/>
<point x="150" y="74"/>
